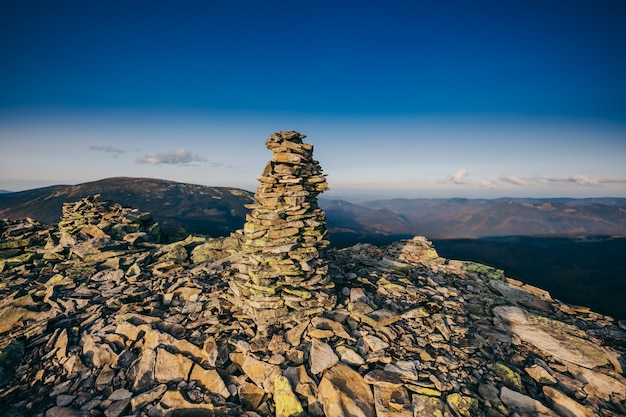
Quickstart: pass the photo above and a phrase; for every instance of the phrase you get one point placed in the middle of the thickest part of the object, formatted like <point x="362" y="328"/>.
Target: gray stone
<point x="381" y="378"/>
<point x="61" y="388"/>
<point x="143" y="371"/>
<point x="250" y="395"/>
<point x="539" y="374"/>
<point x="120" y="394"/>
<point x="524" y="404"/>
<point x="138" y="402"/>
<point x="375" y="343"/>
<point x="321" y="356"/>
<point x="65" y="412"/>
<point x="349" y="356"/>
<point x="407" y="370"/>
<point x="117" y="408"/>
<point x="65" y="400"/>
<point x="551" y="336"/>
<point x="174" y="400"/>
<point x="261" y="373"/>
<point x="428" y="406"/>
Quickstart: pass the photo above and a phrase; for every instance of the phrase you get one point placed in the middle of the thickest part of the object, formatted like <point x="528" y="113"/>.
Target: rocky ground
<point x="98" y="318"/>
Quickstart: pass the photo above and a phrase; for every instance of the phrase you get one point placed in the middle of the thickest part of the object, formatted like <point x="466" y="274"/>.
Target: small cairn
<point x="93" y="217"/>
<point x="282" y="275"/>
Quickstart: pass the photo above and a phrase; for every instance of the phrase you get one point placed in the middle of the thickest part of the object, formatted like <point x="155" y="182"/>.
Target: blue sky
<point x="400" y="98"/>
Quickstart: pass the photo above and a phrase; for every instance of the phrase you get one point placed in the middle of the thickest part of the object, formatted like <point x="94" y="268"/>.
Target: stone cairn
<point x="282" y="275"/>
<point x="97" y="218"/>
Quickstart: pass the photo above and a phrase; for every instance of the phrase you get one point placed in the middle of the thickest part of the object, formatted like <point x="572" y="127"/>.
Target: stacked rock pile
<point x="18" y="239"/>
<point x="282" y="274"/>
<point x="96" y="218"/>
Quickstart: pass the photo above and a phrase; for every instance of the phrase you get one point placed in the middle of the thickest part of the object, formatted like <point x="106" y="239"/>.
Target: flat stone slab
<point x="551" y="336"/>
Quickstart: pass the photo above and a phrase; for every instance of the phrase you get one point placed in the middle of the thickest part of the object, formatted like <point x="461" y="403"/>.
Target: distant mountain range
<point x="455" y="218"/>
<point x="218" y="210"/>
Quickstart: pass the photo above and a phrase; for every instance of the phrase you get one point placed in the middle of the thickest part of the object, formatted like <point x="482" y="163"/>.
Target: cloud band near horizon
<point x="176" y="157"/>
<point x="460" y="177"/>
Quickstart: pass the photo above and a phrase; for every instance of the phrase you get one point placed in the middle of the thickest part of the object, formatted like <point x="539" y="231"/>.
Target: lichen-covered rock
<point x="283" y="274"/>
<point x="287" y="404"/>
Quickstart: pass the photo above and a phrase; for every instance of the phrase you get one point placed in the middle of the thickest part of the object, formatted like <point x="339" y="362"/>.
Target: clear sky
<point x="400" y="98"/>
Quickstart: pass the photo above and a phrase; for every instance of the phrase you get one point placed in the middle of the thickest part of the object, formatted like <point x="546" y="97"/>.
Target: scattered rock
<point x="322" y="356"/>
<point x="564" y="405"/>
<point x="524" y="404"/>
<point x="344" y="392"/>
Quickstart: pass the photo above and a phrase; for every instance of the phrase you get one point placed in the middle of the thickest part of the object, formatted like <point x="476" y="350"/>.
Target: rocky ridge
<point x="97" y="318"/>
<point x="133" y="327"/>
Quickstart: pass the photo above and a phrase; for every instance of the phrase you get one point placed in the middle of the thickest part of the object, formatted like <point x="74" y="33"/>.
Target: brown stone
<point x="344" y="393"/>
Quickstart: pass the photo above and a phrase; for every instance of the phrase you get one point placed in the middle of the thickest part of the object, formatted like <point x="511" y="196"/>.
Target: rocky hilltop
<point x="99" y="318"/>
<point x="181" y="208"/>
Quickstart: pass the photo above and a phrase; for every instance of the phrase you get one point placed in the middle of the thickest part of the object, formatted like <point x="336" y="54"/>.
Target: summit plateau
<point x="99" y="316"/>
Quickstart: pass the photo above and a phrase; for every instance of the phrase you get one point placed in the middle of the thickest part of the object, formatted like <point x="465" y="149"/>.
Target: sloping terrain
<point x="92" y="325"/>
<point x="215" y="211"/>
<point x="584" y="271"/>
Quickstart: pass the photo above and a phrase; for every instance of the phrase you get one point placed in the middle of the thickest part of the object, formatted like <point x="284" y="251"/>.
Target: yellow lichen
<point x="509" y="376"/>
<point x="462" y="404"/>
<point x="286" y="402"/>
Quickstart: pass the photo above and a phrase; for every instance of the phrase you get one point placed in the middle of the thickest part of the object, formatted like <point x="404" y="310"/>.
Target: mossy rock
<point x="118" y="232"/>
<point x="485" y="270"/>
<point x="509" y="377"/>
<point x="19" y="260"/>
<point x="12" y="315"/>
<point x="462" y="405"/>
<point x="15" y="244"/>
<point x="154" y="230"/>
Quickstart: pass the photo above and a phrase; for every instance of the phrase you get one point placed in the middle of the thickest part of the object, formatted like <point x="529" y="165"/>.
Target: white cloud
<point x="576" y="180"/>
<point x="613" y="180"/>
<point x="488" y="184"/>
<point x="116" y="152"/>
<point x="177" y="157"/>
<point x="459" y="177"/>
<point x="512" y="179"/>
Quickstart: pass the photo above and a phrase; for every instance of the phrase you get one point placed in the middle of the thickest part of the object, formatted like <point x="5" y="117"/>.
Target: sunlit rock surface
<point x="94" y="323"/>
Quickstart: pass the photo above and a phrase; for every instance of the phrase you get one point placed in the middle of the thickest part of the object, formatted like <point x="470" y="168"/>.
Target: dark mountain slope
<point x="206" y="210"/>
<point x="582" y="271"/>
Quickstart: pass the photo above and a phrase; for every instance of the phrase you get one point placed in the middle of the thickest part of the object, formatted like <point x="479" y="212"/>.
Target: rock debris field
<point x="98" y="318"/>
